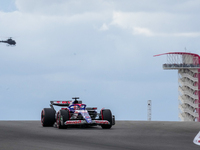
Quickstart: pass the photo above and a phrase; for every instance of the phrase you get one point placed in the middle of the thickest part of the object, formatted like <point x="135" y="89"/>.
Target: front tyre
<point x="106" y="115"/>
<point x="62" y="117"/>
<point x="48" y="117"/>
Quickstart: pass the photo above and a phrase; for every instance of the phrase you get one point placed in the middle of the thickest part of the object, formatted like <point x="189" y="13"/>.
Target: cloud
<point x="62" y="7"/>
<point x="154" y="24"/>
<point x="154" y="6"/>
<point x="142" y="31"/>
<point x="189" y="34"/>
<point x="104" y="27"/>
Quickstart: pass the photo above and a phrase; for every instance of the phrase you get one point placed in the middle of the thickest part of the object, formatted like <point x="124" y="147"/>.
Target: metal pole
<point x="149" y="110"/>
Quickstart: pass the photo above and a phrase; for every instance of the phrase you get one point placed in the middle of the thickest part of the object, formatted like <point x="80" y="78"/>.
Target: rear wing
<point x="61" y="103"/>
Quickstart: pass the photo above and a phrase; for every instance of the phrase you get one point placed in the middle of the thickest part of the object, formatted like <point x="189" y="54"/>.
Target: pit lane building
<point x="188" y="66"/>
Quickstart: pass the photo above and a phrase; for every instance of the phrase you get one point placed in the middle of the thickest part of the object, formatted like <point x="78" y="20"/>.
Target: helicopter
<point x="10" y="42"/>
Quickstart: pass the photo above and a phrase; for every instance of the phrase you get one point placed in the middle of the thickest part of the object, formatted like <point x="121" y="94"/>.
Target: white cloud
<point x="142" y="31"/>
<point x="189" y="34"/>
<point x="62" y="7"/>
<point x="104" y="27"/>
<point x="154" y="24"/>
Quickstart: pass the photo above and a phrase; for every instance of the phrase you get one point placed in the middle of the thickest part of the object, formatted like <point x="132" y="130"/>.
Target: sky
<point x="101" y="51"/>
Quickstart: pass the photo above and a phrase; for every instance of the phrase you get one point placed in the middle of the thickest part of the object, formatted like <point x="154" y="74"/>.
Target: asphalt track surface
<point x="125" y="135"/>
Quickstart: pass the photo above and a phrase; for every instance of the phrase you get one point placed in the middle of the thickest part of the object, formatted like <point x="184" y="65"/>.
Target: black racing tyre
<point x="106" y="115"/>
<point x="62" y="117"/>
<point x="48" y="117"/>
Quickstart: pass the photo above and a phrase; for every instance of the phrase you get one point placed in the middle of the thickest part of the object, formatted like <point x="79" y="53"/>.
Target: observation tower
<point x="188" y="66"/>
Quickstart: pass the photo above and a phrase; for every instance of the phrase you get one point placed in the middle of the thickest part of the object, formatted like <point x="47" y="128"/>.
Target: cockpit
<point x="77" y="107"/>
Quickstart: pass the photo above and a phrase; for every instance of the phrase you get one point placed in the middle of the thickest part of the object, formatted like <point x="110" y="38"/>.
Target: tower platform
<point x="188" y="66"/>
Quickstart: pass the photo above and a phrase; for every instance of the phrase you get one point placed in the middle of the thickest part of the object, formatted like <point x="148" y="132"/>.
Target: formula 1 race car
<point x="76" y="113"/>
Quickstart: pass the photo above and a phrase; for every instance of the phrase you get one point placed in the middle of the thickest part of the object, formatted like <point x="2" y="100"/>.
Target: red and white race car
<point x="76" y="113"/>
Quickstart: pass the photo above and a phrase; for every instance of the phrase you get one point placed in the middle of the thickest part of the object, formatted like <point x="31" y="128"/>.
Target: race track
<point x="125" y="135"/>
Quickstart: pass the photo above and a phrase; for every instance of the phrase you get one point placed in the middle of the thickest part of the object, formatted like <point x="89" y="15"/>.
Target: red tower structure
<point x="188" y="66"/>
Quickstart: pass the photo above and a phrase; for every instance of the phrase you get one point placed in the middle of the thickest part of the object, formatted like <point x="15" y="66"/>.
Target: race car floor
<point x="125" y="135"/>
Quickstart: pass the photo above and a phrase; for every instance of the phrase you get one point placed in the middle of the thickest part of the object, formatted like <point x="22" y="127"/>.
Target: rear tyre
<point x="48" y="117"/>
<point x="106" y="115"/>
<point x="62" y="117"/>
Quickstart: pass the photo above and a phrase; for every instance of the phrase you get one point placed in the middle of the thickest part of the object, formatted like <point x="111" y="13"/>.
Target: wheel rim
<point x="58" y="120"/>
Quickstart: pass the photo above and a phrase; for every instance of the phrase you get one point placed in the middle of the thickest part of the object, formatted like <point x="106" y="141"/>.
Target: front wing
<point x="93" y="122"/>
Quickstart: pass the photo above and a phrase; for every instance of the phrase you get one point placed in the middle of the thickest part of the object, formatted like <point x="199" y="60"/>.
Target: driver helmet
<point x="76" y="107"/>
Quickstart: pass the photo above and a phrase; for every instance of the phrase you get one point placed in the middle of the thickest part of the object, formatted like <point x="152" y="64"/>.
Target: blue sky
<point x="101" y="51"/>
<point x="7" y="6"/>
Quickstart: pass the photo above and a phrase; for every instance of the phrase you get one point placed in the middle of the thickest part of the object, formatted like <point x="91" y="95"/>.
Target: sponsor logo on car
<point x="101" y="122"/>
<point x="73" y="122"/>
